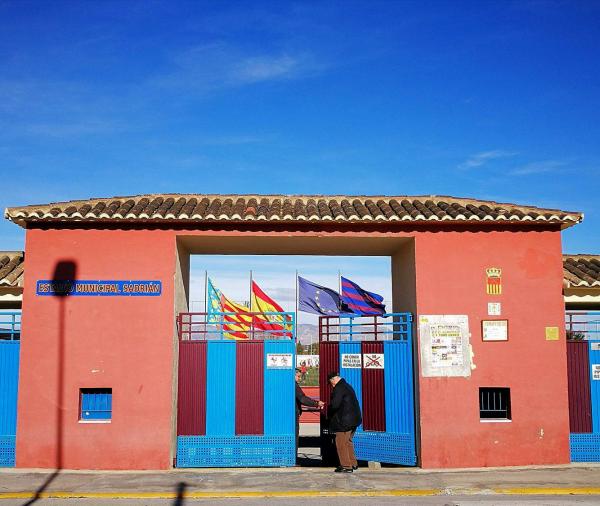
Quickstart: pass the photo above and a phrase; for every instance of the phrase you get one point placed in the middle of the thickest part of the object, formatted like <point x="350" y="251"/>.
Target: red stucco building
<point x="446" y="253"/>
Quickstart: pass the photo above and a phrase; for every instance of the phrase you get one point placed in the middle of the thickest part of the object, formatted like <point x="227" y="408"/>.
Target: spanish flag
<point x="275" y="324"/>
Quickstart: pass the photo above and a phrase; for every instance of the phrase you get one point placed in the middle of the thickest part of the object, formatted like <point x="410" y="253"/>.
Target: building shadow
<point x="65" y="273"/>
<point x="180" y="497"/>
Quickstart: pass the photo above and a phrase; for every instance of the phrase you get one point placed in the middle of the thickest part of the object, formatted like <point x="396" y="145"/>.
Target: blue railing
<point x="352" y="327"/>
<point x="242" y="325"/>
<point x="582" y="325"/>
<point x="10" y="325"/>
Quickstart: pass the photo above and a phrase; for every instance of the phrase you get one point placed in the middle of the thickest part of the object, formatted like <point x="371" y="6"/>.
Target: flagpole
<point x="250" y="304"/>
<point x="296" y="296"/>
<point x="205" y="291"/>
<point x="340" y="288"/>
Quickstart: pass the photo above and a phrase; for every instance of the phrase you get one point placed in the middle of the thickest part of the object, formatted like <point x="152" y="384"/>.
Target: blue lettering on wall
<point x="99" y="288"/>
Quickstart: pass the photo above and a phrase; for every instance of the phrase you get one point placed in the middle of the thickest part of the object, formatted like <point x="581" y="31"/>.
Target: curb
<point x="302" y="494"/>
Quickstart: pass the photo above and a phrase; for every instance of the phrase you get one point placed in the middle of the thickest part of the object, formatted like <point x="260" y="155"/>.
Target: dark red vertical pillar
<point x="191" y="393"/>
<point x="329" y="360"/>
<point x="373" y="387"/>
<point x="578" y="370"/>
<point x="249" y="388"/>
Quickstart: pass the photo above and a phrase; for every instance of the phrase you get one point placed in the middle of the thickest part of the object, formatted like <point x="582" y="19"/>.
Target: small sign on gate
<point x="351" y="361"/>
<point x="279" y="361"/>
<point x="596" y="371"/>
<point x="373" y="360"/>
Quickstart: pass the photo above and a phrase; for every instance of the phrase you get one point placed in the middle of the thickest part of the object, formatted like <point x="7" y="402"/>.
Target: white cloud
<point x="538" y="167"/>
<point x="215" y="66"/>
<point x="480" y="159"/>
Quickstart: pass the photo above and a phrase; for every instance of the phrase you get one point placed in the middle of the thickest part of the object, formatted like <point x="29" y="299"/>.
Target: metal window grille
<point x="96" y="404"/>
<point x="494" y="403"/>
<point x="10" y="325"/>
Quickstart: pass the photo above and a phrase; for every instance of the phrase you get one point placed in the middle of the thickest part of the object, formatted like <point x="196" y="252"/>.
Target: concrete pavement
<point x="290" y="483"/>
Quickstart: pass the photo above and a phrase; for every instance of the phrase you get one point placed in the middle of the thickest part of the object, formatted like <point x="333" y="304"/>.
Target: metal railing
<point x="582" y="325"/>
<point x="239" y="326"/>
<point x="10" y="325"/>
<point x="389" y="326"/>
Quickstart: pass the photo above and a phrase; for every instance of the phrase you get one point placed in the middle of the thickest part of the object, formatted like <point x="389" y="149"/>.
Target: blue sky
<point x="492" y="100"/>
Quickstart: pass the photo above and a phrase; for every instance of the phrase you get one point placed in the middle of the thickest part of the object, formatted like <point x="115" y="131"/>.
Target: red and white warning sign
<point x="373" y="361"/>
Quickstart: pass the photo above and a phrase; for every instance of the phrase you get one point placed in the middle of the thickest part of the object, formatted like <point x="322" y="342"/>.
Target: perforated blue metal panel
<point x="594" y="355"/>
<point x="351" y="375"/>
<point x="385" y="447"/>
<point x="238" y="451"/>
<point x="585" y="447"/>
<point x="220" y="388"/>
<point x="279" y="391"/>
<point x="9" y="380"/>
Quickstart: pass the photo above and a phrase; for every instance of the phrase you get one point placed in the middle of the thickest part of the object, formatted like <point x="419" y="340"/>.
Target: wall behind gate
<point x="450" y="279"/>
<point x="123" y="343"/>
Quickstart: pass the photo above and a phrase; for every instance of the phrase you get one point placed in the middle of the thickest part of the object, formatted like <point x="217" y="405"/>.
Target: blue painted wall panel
<point x="352" y="376"/>
<point x="9" y="381"/>
<point x="594" y="385"/>
<point x="399" y="401"/>
<point x="279" y="392"/>
<point x="220" y="388"/>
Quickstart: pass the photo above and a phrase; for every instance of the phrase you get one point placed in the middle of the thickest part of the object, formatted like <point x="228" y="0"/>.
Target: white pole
<point x="205" y="291"/>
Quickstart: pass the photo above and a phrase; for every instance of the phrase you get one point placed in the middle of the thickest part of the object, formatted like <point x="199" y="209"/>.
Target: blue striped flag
<point x="361" y="301"/>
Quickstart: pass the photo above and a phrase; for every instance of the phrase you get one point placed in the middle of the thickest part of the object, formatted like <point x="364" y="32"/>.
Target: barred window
<point x="494" y="403"/>
<point x="95" y="404"/>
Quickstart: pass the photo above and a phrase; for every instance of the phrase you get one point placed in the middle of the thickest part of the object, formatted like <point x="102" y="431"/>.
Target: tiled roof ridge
<point x="581" y="270"/>
<point x="274" y="207"/>
<point x="12" y="268"/>
<point x="301" y="196"/>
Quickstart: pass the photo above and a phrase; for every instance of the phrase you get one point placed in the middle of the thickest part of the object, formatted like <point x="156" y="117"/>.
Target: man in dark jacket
<point x="344" y="417"/>
<point x="302" y="400"/>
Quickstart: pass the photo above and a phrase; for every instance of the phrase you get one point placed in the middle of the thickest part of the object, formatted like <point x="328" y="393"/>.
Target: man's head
<point x="298" y="375"/>
<point x="333" y="377"/>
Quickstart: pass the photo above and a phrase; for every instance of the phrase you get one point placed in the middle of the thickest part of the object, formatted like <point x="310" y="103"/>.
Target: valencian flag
<point x="235" y="325"/>
<point x="317" y="299"/>
<point x="361" y="301"/>
<point x="278" y="324"/>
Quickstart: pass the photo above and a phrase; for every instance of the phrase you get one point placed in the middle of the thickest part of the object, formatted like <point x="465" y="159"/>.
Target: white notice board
<point x="445" y="349"/>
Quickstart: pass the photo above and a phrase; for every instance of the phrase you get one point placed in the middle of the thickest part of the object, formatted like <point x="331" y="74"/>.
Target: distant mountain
<point x="307" y="333"/>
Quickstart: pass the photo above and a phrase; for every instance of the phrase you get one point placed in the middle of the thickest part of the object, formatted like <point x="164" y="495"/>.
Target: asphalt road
<point x="471" y="500"/>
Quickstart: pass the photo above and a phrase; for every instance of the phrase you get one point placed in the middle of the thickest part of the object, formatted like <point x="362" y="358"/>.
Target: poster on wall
<point x="494" y="330"/>
<point x="445" y="350"/>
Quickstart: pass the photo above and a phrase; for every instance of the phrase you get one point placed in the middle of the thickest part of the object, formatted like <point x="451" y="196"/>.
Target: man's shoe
<point x="343" y="470"/>
<point x="354" y="468"/>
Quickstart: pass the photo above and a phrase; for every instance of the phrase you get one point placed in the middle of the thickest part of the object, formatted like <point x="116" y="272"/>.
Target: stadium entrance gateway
<point x="99" y="371"/>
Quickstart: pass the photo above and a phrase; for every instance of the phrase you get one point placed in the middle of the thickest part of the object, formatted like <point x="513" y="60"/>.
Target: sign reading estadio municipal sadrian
<point x="108" y="288"/>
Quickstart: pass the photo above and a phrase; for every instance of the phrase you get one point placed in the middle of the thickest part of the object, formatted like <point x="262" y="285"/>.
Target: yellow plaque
<point x="551" y="333"/>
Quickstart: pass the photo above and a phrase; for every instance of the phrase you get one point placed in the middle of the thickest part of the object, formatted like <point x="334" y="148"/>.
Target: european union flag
<point x="360" y="301"/>
<point x="317" y="299"/>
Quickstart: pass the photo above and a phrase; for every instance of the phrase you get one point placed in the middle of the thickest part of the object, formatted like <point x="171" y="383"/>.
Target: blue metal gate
<point x="236" y="396"/>
<point x="374" y="355"/>
<point x="10" y="329"/>
<point x="583" y="330"/>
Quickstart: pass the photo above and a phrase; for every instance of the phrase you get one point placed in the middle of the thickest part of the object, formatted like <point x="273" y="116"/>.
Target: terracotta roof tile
<point x="581" y="270"/>
<point x="286" y="208"/>
<point x="11" y="268"/>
